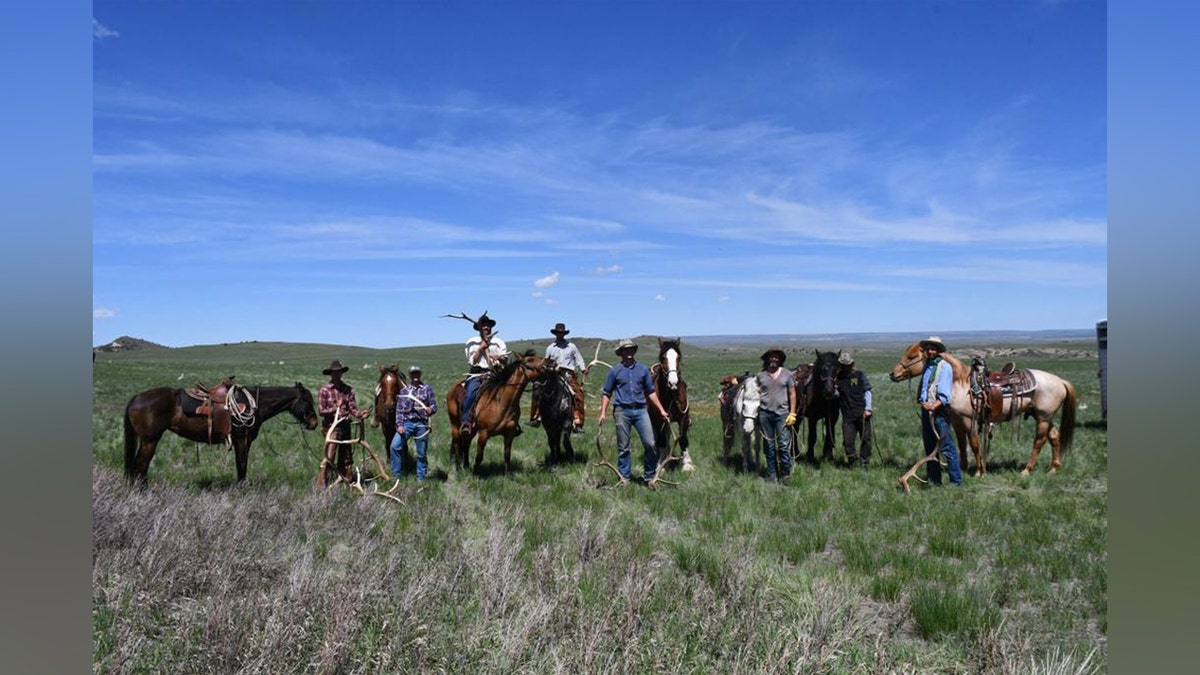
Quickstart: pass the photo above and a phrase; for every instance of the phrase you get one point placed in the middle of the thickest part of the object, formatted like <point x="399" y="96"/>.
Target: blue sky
<point x="348" y="172"/>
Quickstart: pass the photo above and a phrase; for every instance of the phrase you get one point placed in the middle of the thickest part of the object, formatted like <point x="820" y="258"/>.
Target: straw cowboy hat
<point x="775" y="351"/>
<point x="845" y="359"/>
<point x="559" y="329"/>
<point x="625" y="344"/>
<point x="336" y="366"/>
<point x="484" y="320"/>
<point x="935" y="342"/>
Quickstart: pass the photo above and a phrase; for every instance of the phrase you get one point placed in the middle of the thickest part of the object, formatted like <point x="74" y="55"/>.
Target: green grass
<point x="547" y="571"/>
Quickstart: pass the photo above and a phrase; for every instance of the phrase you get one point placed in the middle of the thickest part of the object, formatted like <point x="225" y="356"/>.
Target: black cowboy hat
<point x="559" y="329"/>
<point x="935" y="342"/>
<point x="484" y="320"/>
<point x="335" y="366"/>
<point x="777" y="351"/>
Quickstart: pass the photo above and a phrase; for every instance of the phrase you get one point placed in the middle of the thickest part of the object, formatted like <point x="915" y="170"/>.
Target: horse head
<point x="304" y="408"/>
<point x="825" y="368"/>
<point x="670" y="359"/>
<point x="910" y="364"/>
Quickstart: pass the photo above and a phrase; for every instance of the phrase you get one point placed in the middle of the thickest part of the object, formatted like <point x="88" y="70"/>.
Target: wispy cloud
<point x="611" y="269"/>
<point x="103" y="313"/>
<point x="546" y="281"/>
<point x="101" y="32"/>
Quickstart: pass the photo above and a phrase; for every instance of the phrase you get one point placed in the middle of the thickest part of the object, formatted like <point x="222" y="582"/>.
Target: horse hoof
<point x="1025" y="472"/>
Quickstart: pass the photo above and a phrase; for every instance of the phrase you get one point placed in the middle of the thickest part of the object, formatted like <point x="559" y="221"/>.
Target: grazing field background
<point x="548" y="571"/>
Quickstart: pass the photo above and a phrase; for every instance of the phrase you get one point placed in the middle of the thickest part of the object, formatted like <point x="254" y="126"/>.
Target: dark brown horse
<point x="497" y="408"/>
<point x="818" y="396"/>
<point x="557" y="404"/>
<point x="152" y="413"/>
<point x="386" y="391"/>
<point x="672" y="393"/>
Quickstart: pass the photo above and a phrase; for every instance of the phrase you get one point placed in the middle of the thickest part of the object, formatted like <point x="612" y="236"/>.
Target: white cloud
<point x="100" y="31"/>
<point x="660" y="297"/>
<point x="611" y="269"/>
<point x="537" y="294"/>
<point x="546" y="282"/>
<point x="103" y="313"/>
<point x="722" y="298"/>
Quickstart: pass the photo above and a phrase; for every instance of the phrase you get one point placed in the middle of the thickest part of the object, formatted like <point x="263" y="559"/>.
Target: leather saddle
<point x="990" y="388"/>
<point x="216" y="404"/>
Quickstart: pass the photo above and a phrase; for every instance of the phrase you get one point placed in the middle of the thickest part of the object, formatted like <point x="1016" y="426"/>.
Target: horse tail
<point x="1067" y="427"/>
<point x="131" y="445"/>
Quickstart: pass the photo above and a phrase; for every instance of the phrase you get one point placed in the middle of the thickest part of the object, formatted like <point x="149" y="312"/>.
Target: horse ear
<point x="381" y="368"/>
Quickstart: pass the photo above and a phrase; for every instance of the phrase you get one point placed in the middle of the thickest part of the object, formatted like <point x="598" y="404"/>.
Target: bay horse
<point x="672" y="393"/>
<point x="386" y="391"/>
<point x="1049" y="395"/>
<point x="497" y="408"/>
<point x="152" y="413"/>
<point x="817" y="390"/>
<point x="556" y="404"/>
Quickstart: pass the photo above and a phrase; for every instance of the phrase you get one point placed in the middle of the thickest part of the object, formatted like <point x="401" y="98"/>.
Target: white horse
<point x="1050" y="394"/>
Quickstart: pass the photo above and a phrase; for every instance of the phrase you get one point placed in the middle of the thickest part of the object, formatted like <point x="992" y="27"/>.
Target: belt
<point x="631" y="405"/>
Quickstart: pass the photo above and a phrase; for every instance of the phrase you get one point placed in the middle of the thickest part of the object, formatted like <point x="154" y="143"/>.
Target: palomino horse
<point x="390" y="384"/>
<point x="1050" y="394"/>
<point x="497" y="408"/>
<point x="817" y="391"/>
<point x="152" y="413"/>
<point x="672" y="393"/>
<point x="557" y="404"/>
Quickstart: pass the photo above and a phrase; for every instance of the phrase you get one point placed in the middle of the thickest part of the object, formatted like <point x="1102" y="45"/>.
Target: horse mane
<point x="962" y="372"/>
<point x="500" y="376"/>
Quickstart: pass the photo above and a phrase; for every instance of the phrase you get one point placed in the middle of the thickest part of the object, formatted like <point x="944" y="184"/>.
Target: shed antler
<point x="461" y="315"/>
<point x="358" y="482"/>
<point x="912" y="473"/>
<point x="622" y="481"/>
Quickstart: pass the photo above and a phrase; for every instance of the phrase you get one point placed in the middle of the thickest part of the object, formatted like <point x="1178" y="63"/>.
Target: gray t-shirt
<point x="775" y="390"/>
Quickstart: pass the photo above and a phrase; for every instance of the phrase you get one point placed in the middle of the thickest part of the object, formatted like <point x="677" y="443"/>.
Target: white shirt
<point x="495" y="351"/>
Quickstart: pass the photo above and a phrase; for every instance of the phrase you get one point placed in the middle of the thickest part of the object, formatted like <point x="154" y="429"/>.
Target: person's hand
<point x="867" y="413"/>
<point x="790" y="420"/>
<point x="600" y="420"/>
<point x="362" y="414"/>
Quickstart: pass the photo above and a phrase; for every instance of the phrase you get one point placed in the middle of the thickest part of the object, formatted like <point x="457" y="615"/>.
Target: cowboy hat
<point x="414" y="369"/>
<point x="336" y="366"/>
<point x="775" y="351"/>
<point x="845" y="359"/>
<point x="484" y="320"/>
<point x="625" y="344"/>
<point x="935" y="342"/>
<point x="559" y="329"/>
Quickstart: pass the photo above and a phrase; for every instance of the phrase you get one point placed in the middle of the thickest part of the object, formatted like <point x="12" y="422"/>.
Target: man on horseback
<point x="854" y="398"/>
<point x="937" y="382"/>
<point x="485" y="352"/>
<point x="567" y="359"/>
<point x="337" y="397"/>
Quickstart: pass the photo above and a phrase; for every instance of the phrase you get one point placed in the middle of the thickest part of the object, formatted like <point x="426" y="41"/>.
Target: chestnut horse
<point x="672" y="393"/>
<point x="152" y="413"/>
<point x="497" y="408"/>
<point x="1050" y="394"/>
<point x="389" y="386"/>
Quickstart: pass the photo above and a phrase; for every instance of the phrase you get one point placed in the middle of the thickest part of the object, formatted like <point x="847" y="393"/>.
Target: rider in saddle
<point x="485" y="352"/>
<point x="567" y="358"/>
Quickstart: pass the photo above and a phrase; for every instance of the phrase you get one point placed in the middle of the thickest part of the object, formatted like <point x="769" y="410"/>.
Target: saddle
<point x="217" y="404"/>
<point x="990" y="388"/>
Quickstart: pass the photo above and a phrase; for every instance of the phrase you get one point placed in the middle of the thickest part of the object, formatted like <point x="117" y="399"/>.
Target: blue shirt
<point x="945" y="380"/>
<point x="628" y="385"/>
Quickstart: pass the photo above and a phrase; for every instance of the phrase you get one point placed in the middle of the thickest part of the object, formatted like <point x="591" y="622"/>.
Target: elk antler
<point x="461" y="315"/>
<point x="621" y="481"/>
<point x="912" y="473"/>
<point x="330" y="440"/>
<point x="596" y="358"/>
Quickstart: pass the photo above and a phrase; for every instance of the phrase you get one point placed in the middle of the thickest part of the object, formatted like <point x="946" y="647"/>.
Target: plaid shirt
<point x="334" y="398"/>
<point x="408" y="410"/>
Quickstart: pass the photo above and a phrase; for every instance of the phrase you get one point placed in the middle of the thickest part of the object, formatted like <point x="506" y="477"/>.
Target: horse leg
<point x="1043" y="432"/>
<point x="141" y="467"/>
<point x="570" y="449"/>
<point x="480" y="441"/>
<point x="1056" y="448"/>
<point x="812" y="441"/>
<point x="241" y="454"/>
<point x="507" y="455"/>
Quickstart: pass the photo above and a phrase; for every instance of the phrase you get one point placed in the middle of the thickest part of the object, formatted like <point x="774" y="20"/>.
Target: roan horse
<point x="1050" y="393"/>
<point x="672" y="393"/>
<point x="152" y="413"/>
<point x="817" y="390"/>
<point x="497" y="408"/>
<point x="390" y="384"/>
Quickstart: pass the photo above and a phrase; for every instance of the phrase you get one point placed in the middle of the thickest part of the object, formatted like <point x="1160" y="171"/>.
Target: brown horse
<point x="1050" y="394"/>
<point x="152" y="413"/>
<point x="389" y="386"/>
<point x="816" y="389"/>
<point x="497" y="408"/>
<point x="672" y="393"/>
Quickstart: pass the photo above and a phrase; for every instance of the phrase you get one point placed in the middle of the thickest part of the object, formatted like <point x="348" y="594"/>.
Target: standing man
<point x="568" y="359"/>
<point x="415" y="404"/>
<point x="937" y="381"/>
<point x="629" y="386"/>
<point x="854" y="398"/>
<point x="777" y="412"/>
<point x="334" y="398"/>
<point x="484" y="352"/>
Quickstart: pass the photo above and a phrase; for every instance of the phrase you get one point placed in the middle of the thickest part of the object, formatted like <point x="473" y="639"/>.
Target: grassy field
<point x="838" y="571"/>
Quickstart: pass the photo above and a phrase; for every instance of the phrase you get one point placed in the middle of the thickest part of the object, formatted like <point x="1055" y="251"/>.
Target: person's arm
<point x="867" y="398"/>
<point x="791" y="416"/>
<point x="603" y="408"/>
<point x="653" y="398"/>
<point x="325" y="402"/>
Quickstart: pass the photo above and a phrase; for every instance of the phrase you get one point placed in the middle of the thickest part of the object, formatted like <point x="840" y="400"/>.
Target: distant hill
<point x="128" y="344"/>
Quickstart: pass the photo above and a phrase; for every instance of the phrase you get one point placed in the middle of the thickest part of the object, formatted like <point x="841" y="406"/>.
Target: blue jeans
<point x="778" y="440"/>
<point x="638" y="418"/>
<point x="419" y="432"/>
<point x="472" y="388"/>
<point x="944" y="440"/>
